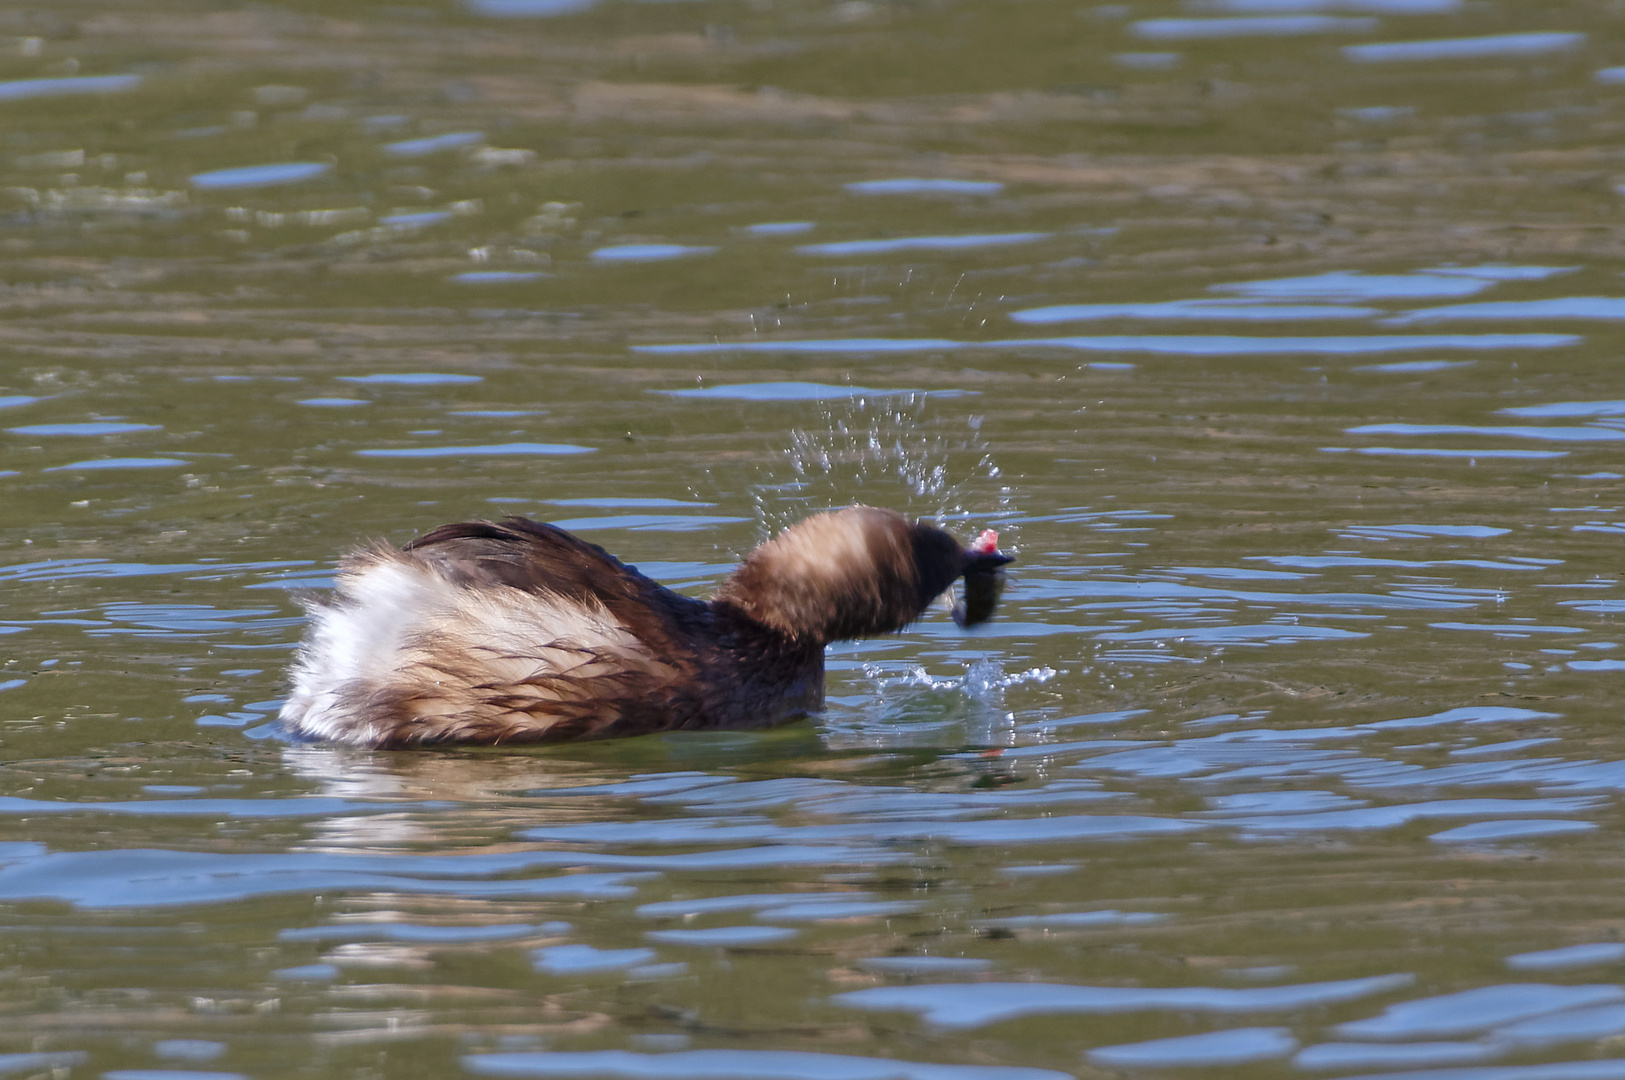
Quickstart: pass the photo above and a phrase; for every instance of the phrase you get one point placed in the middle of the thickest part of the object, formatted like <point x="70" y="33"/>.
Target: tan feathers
<point x="519" y="632"/>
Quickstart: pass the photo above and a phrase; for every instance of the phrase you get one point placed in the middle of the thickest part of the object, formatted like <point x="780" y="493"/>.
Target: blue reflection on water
<point x="415" y="378"/>
<point x="1216" y="310"/>
<point x="121" y="463"/>
<point x="496" y="277"/>
<point x="1521" y="629"/>
<point x="1073" y="827"/>
<point x="921" y="243"/>
<point x="584" y="959"/>
<point x="782" y="391"/>
<point x="10" y="1063"/>
<point x="1416" y="367"/>
<point x="1438" y="452"/>
<point x="617" y="503"/>
<point x="1596" y="308"/>
<point x="1569" y="408"/>
<point x="1417" y="532"/>
<point x="956" y="1005"/>
<point x="1472" y="48"/>
<point x="1378" y="114"/>
<point x="779" y="228"/>
<point x="313" y="806"/>
<point x="1352" y="285"/>
<point x="189" y="1049"/>
<point x="650" y="522"/>
<point x="417" y="220"/>
<point x="1572" y="1025"/>
<point x="1250" y="26"/>
<point x="1369" y="7"/>
<point x="837" y="345"/>
<point x="434" y="144"/>
<point x="1237" y="1046"/>
<point x="491" y="450"/>
<point x="1159" y="593"/>
<point x="333" y="402"/>
<point x="1331" y="1056"/>
<point x="734" y="1065"/>
<point x="307" y="973"/>
<point x="526" y="9"/>
<point x="1266" y="634"/>
<point x="1597" y="665"/>
<point x="1503" y="271"/>
<point x="1552" y="434"/>
<point x="857" y="909"/>
<point x="648" y="252"/>
<point x="94" y="428"/>
<point x="1476" y="1009"/>
<point x="169" y="1074"/>
<point x="155" y="878"/>
<point x="1467" y="714"/>
<point x="14" y="400"/>
<point x="420" y="934"/>
<point x="1174" y="345"/>
<point x="22" y="89"/>
<point x="1492" y="831"/>
<point x="1507" y="747"/>
<point x="921" y="186"/>
<point x="1077" y="920"/>
<point x="257" y="176"/>
<point x="73" y="569"/>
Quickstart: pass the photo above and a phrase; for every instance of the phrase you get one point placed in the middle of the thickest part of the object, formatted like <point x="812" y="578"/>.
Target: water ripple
<point x="1206" y="310"/>
<point x="1250" y="26"/>
<point x="26" y="89"/>
<point x="911" y="186"/>
<point x="847" y="248"/>
<point x="259" y="176"/>
<point x="1236" y="1046"/>
<point x="733" y="1065"/>
<point x="1346" y="285"/>
<point x="1473" y="48"/>
<point x="1172" y="345"/>
<point x="955" y="1005"/>
<point x="1476" y="1010"/>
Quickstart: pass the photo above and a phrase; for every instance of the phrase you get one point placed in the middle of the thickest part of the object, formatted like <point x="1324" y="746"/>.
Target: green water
<point x="1307" y="672"/>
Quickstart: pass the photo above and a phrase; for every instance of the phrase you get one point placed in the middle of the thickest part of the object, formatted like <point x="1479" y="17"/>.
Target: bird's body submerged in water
<point x="519" y="632"/>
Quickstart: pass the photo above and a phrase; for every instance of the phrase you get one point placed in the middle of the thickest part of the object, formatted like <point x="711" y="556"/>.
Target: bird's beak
<point x="977" y="562"/>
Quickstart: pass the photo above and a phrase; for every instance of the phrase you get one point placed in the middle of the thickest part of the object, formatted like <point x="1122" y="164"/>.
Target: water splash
<point x="887" y="451"/>
<point x="983" y="680"/>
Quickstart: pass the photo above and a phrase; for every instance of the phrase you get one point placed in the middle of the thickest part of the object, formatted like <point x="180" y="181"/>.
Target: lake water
<point x="1279" y="339"/>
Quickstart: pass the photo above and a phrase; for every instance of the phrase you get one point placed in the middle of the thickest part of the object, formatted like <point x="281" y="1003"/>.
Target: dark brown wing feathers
<point x="540" y="558"/>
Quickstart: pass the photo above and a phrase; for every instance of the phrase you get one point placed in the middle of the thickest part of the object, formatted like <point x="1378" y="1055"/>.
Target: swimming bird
<point x="515" y="632"/>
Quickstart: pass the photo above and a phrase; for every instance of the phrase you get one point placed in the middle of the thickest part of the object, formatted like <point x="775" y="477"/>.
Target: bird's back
<point x="494" y="633"/>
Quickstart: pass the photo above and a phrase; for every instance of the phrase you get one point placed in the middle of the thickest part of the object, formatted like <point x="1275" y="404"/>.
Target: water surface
<point x="1278" y="339"/>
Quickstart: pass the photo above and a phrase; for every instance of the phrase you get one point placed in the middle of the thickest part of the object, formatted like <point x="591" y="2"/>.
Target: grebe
<point x="519" y="632"/>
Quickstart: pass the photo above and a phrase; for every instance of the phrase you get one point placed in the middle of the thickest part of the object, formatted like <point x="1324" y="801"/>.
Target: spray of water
<point x="983" y="680"/>
<point x="892" y="451"/>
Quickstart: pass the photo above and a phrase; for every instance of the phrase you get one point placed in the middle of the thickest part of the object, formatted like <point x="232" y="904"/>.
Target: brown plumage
<point x="519" y="632"/>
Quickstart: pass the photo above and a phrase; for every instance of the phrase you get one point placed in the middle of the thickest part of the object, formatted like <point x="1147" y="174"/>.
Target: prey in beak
<point x="984" y="580"/>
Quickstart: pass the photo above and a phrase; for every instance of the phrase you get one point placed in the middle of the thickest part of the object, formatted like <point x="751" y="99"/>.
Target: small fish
<point x="984" y="581"/>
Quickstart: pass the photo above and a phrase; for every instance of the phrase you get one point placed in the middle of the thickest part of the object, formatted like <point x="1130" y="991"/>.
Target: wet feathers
<point x="520" y="632"/>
